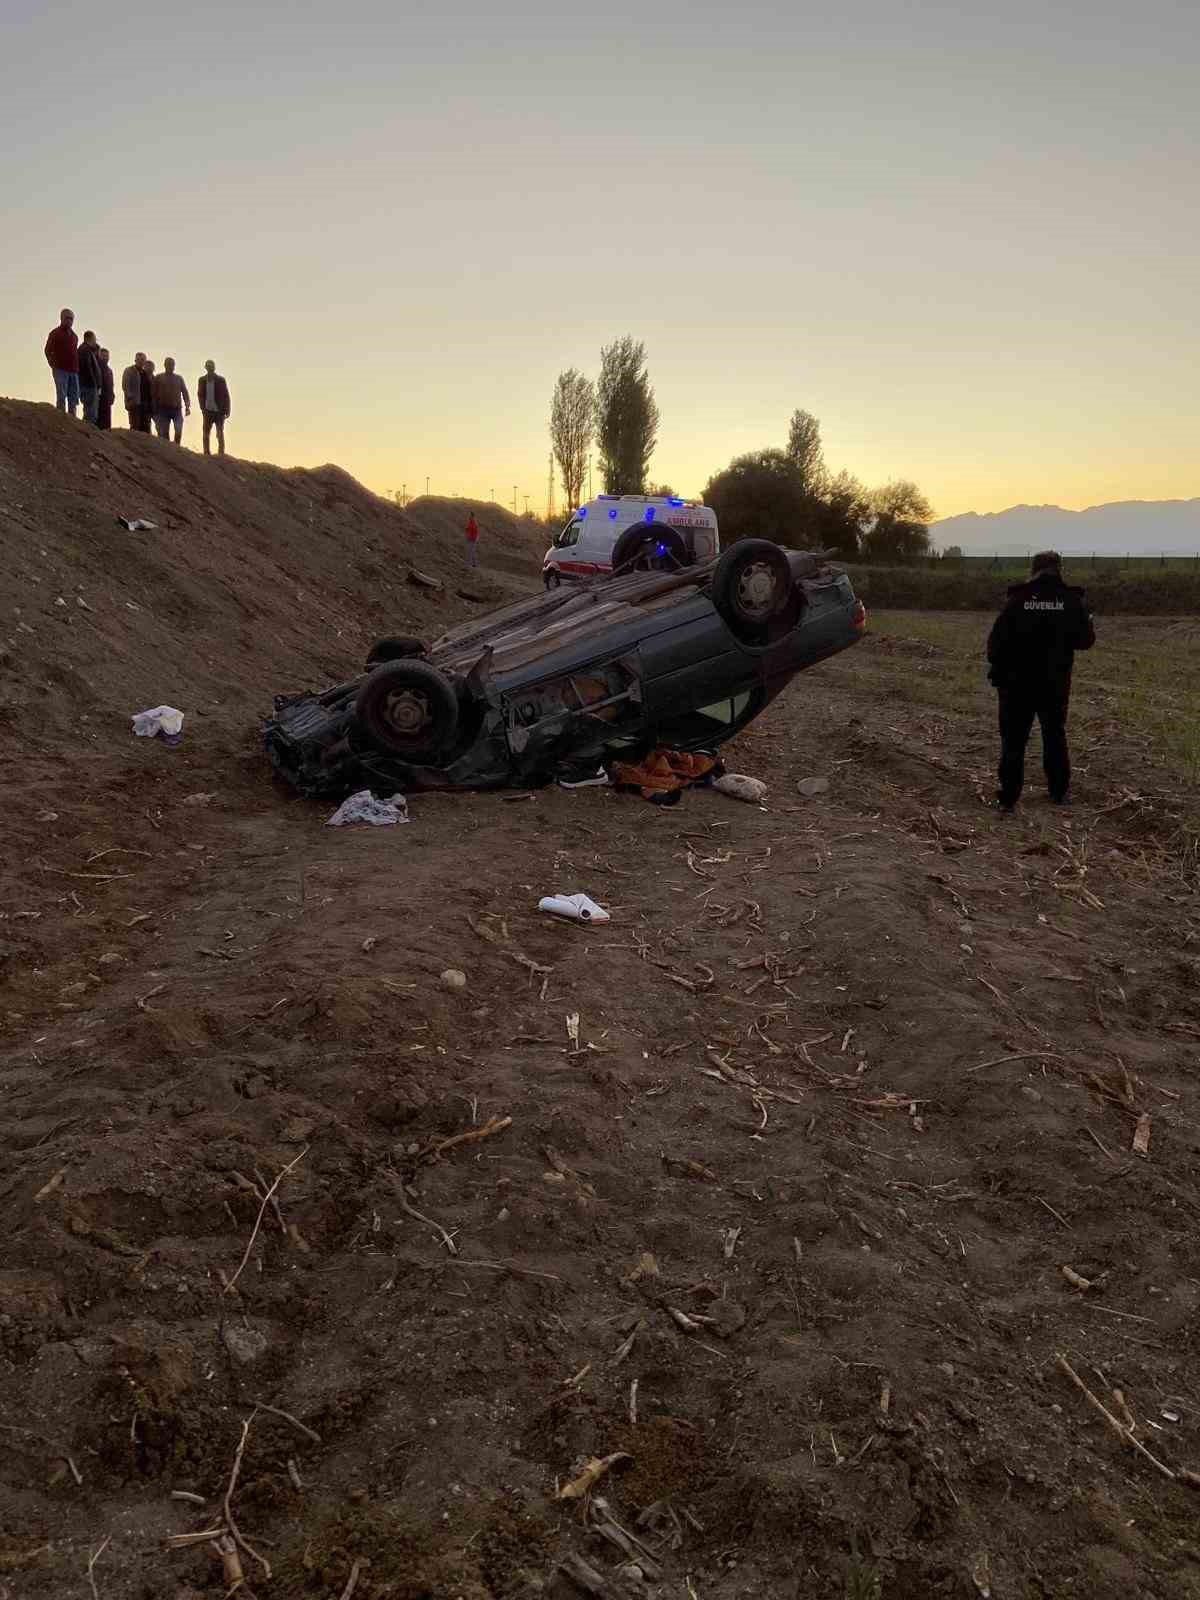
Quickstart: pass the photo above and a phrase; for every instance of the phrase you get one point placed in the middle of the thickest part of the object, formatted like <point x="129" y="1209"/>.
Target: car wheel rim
<point x="407" y="711"/>
<point x="757" y="589"/>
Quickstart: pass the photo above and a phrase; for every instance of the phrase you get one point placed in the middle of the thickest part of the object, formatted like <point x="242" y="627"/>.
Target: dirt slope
<point x="856" y="1076"/>
<point x="252" y="571"/>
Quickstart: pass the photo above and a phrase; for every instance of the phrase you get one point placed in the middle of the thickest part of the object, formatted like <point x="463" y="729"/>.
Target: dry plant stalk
<point x="1118" y="1428"/>
<point x="493" y="1125"/>
<point x="91" y="1575"/>
<point x="261" y="1405"/>
<point x="231" y="1562"/>
<point x="227" y="1504"/>
<point x="1075" y="1279"/>
<point x="258" y="1220"/>
<point x="593" y="1471"/>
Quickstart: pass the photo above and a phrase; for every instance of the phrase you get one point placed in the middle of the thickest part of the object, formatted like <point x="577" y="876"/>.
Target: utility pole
<point x="526" y="505"/>
<point x="426" y="483"/>
<point x="404" y="494"/>
<point x="550" y="494"/>
<point x="514" y="499"/>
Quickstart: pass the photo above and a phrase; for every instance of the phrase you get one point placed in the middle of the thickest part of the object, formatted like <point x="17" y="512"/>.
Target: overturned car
<point x="608" y="670"/>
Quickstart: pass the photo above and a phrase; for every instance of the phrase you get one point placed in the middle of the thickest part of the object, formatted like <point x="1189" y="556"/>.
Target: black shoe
<point x="1060" y="799"/>
<point x="1005" y="807"/>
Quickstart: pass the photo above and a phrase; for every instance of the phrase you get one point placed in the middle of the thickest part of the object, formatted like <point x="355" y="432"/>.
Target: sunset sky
<point x="963" y="234"/>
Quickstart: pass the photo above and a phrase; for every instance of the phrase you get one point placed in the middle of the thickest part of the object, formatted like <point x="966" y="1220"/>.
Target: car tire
<point x="394" y="648"/>
<point x="552" y="580"/>
<point x="408" y="708"/>
<point x="644" y="547"/>
<point x="752" y="583"/>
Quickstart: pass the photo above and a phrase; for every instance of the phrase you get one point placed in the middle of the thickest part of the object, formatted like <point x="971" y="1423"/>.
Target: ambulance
<point x="629" y="532"/>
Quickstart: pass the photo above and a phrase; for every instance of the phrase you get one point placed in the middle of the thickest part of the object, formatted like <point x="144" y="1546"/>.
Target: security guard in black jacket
<point x="1031" y="650"/>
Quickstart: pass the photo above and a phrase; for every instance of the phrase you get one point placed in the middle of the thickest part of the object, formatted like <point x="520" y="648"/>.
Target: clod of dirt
<point x="245" y="1345"/>
<point x="727" y="1317"/>
<point x="811" y="786"/>
<point x="453" y="980"/>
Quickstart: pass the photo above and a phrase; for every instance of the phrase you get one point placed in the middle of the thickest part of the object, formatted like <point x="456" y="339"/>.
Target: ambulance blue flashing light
<point x="649" y="513"/>
<point x="612" y="515"/>
<point x="582" y="513"/>
<point x="672" y="501"/>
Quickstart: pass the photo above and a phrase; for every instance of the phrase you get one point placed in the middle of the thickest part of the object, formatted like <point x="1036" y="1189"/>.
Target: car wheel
<point x="753" y="582"/>
<point x="408" y="708"/>
<point x="552" y="580"/>
<point x="645" y="548"/>
<point x="399" y="648"/>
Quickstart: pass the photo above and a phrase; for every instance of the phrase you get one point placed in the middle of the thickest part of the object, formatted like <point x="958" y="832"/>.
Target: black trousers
<point x="1018" y="707"/>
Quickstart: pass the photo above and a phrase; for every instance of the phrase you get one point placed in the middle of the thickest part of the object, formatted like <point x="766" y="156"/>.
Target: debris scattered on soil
<point x="366" y="807"/>
<point x="573" y="907"/>
<point x="739" y="787"/>
<point x="160" y="722"/>
<point x="893" y="1381"/>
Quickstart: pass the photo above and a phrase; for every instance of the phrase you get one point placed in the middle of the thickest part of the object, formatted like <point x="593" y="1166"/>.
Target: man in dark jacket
<point x="212" y="396"/>
<point x="146" y="390"/>
<point x="131" y="392"/>
<point x="62" y="357"/>
<point x="90" y="377"/>
<point x="1031" y="651"/>
<point x="107" y="392"/>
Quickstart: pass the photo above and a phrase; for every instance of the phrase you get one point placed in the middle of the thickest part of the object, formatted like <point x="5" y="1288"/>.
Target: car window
<point x="569" y="535"/>
<point x="725" y="711"/>
<point x="696" y="730"/>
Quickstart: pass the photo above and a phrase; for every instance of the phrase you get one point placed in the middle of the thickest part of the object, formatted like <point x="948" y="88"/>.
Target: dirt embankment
<point x="855" y="1078"/>
<point x="254" y="575"/>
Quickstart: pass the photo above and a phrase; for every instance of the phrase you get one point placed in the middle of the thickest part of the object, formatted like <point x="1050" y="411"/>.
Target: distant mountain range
<point x="1124" y="527"/>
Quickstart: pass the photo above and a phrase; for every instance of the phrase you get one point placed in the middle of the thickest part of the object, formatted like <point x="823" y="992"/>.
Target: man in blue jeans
<point x="171" y="400"/>
<point x="62" y="357"/>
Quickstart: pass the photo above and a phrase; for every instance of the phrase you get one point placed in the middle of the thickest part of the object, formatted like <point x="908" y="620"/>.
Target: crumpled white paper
<point x="751" y="790"/>
<point x="576" y="907"/>
<point x="160" y="719"/>
<point x="364" y="807"/>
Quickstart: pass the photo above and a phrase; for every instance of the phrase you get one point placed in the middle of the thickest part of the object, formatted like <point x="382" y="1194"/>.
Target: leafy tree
<point x="804" y="449"/>
<point x="663" y="489"/>
<point x="572" y="418"/>
<point x="844" y="510"/>
<point x="900" y="529"/>
<point x="760" y="496"/>
<point x="952" y="552"/>
<point x="626" y="416"/>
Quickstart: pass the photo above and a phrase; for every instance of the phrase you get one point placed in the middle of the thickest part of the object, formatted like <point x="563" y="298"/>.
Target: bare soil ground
<point x="857" y="1076"/>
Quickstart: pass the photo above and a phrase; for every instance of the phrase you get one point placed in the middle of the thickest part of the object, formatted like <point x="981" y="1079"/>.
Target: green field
<point x="977" y="585"/>
<point x="1139" y="689"/>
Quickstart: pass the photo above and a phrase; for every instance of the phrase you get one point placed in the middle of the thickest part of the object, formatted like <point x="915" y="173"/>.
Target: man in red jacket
<point x="62" y="357"/>
<point x="472" y="541"/>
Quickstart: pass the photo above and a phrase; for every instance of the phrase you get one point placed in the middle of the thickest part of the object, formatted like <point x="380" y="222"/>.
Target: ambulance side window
<point x="569" y="535"/>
